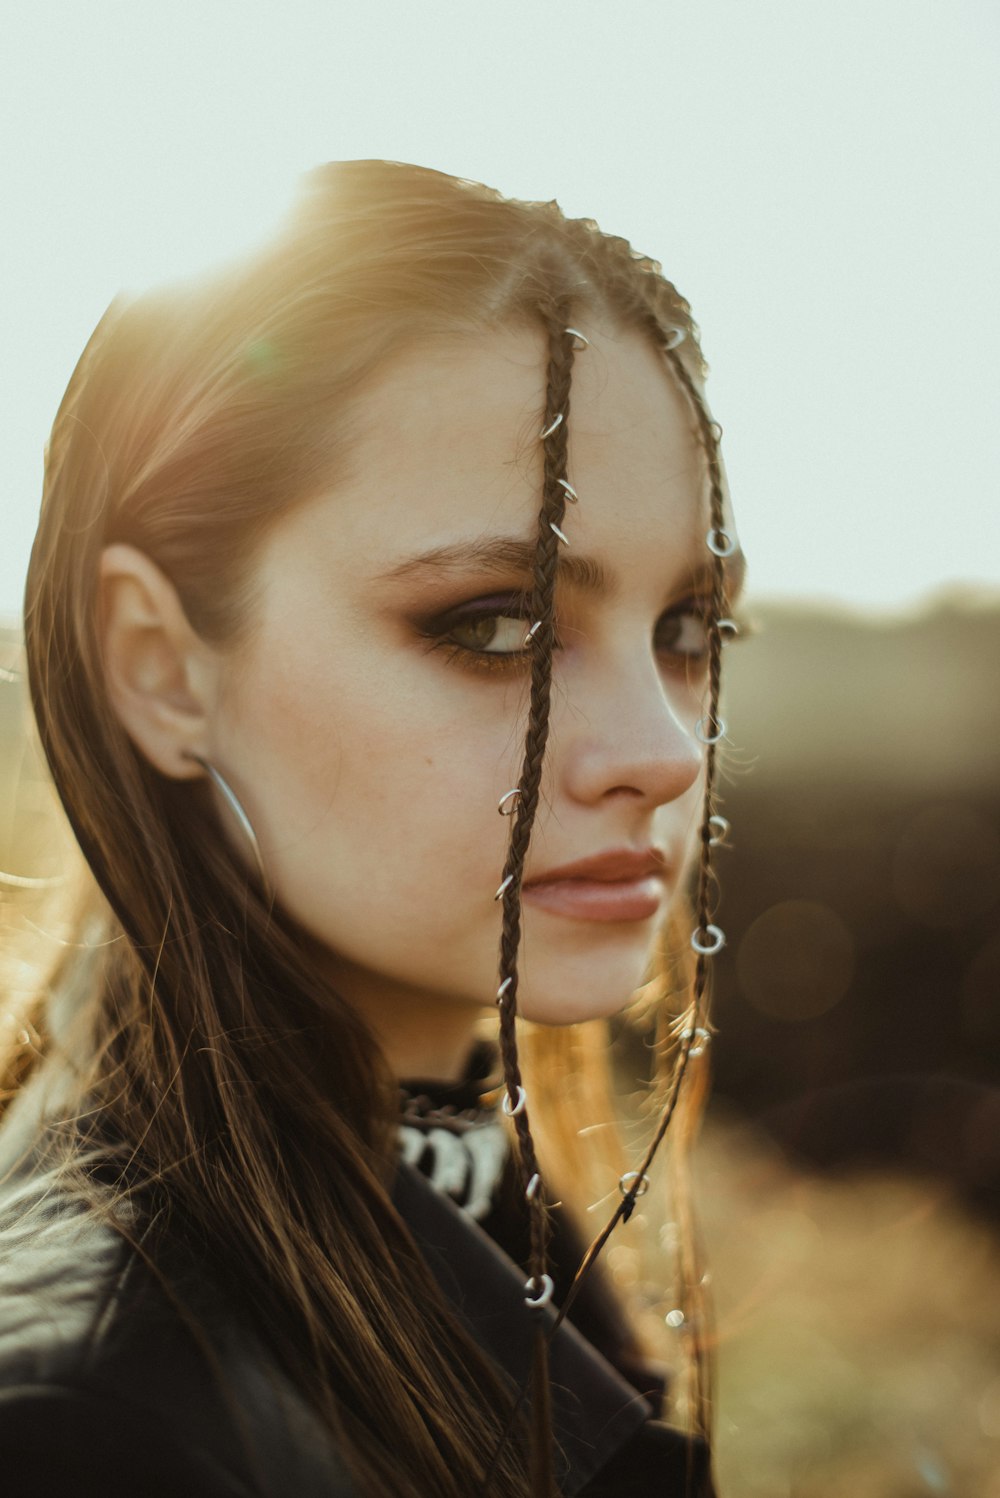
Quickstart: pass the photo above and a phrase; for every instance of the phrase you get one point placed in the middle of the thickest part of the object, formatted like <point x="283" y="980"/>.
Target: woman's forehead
<point x="450" y="433"/>
<point x="488" y="391"/>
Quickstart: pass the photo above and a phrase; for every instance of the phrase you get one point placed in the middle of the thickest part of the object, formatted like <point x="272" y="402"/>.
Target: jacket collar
<point x="594" y="1410"/>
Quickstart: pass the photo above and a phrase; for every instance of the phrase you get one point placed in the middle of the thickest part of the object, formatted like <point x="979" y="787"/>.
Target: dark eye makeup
<point x="487" y="634"/>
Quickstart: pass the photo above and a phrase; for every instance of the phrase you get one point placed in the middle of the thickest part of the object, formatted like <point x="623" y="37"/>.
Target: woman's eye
<point x="485" y="634"/>
<point x="684" y="633"/>
<point x="489" y="634"/>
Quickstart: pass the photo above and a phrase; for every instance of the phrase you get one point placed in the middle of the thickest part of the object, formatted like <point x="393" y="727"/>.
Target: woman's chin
<point x="594" y="984"/>
<point x="574" y="1006"/>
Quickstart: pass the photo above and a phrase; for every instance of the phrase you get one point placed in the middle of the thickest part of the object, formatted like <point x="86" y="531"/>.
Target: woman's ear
<point x="161" y="676"/>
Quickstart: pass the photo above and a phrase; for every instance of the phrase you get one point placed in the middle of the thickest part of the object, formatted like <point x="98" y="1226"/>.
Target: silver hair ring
<point x="555" y="529"/>
<point x="677" y="336"/>
<point x="508" y="802"/>
<point x="502" y="990"/>
<point x="633" y="1183"/>
<point x="583" y="343"/>
<point x="532" y="632"/>
<point x="716" y="430"/>
<point x="504" y="886"/>
<point x="728" y="625"/>
<point x="706" y="738"/>
<point x="723" y="827"/>
<point x="518" y="1107"/>
<point x="571" y="493"/>
<point x="235" y="806"/>
<point x="723" y="548"/>
<point x="701" y="1036"/>
<point x="532" y="1186"/>
<point x="545" y="1295"/>
<point x="708" y="949"/>
<point x="551" y="428"/>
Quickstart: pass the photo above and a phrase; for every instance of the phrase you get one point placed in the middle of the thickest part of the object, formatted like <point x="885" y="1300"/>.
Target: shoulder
<point x="79" y="1411"/>
<point x="61" y="1268"/>
<point x="109" y="1369"/>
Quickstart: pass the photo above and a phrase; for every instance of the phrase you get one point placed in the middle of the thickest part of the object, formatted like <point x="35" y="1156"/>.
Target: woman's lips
<point x="598" y="899"/>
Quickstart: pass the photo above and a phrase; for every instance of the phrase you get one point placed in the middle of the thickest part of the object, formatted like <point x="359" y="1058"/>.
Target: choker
<point x="453" y="1134"/>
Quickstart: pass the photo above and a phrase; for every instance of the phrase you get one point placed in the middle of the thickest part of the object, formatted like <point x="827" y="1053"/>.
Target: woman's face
<point x="377" y="714"/>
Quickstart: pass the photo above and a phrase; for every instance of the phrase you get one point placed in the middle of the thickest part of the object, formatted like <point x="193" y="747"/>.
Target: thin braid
<point x="542" y="642"/>
<point x="710" y="434"/>
<point x="529" y="784"/>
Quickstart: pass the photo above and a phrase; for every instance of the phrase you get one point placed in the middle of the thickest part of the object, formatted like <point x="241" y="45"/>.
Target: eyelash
<point x="514" y="606"/>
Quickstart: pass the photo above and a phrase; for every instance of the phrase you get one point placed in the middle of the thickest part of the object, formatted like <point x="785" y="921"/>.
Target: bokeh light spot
<point x="796" y="960"/>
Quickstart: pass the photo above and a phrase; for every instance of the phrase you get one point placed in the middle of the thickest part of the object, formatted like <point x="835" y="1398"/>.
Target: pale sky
<point x="819" y="179"/>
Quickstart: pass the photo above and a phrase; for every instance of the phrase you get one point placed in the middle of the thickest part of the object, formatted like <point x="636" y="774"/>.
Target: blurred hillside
<point x="823" y="701"/>
<point x="858" y="998"/>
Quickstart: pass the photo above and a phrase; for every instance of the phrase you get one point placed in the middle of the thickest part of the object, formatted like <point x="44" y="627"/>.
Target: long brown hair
<point x="202" y="1035"/>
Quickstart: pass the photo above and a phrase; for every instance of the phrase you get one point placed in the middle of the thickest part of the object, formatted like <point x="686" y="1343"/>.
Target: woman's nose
<point x="631" y="733"/>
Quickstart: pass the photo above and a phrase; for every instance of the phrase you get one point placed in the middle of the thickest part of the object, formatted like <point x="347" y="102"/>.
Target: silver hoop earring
<point x="236" y="807"/>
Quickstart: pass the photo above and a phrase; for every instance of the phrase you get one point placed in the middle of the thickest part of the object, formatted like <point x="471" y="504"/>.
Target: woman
<point x="415" y="517"/>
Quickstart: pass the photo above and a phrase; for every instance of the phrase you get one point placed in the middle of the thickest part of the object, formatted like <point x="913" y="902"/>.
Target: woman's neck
<point x="421" y="1034"/>
<point x="425" y="1042"/>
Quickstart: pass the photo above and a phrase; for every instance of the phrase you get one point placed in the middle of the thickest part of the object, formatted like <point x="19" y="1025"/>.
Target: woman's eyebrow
<point x="502" y="555"/>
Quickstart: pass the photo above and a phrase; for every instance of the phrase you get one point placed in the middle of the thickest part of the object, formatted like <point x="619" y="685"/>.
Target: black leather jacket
<point x="105" y="1387"/>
